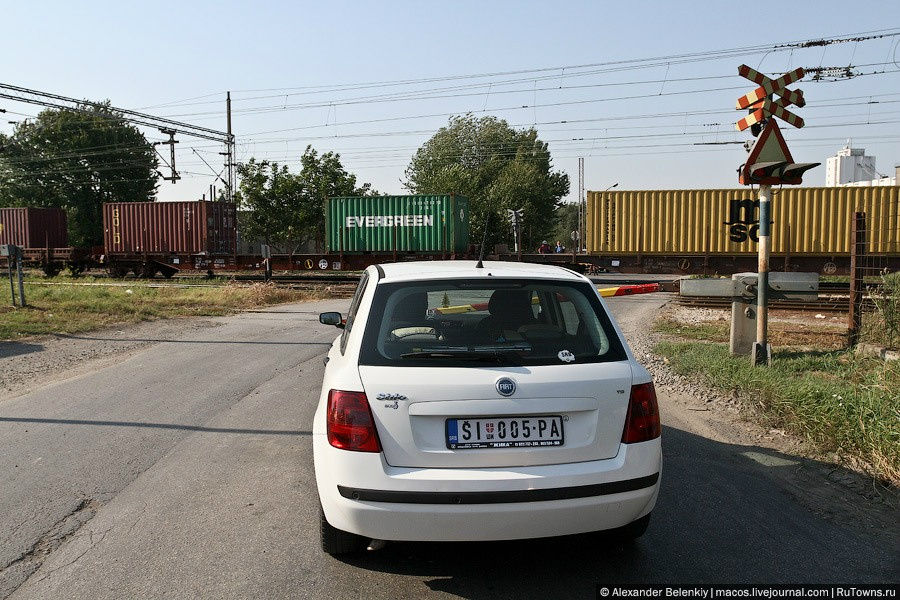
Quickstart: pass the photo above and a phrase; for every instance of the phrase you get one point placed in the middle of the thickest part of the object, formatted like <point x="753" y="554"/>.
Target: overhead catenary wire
<point x="420" y="95"/>
<point x="562" y="71"/>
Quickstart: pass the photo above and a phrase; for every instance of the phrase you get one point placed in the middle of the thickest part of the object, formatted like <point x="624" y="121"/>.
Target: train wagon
<point x="165" y="237"/>
<point x="716" y="230"/>
<point x="416" y="224"/>
<point x="41" y="232"/>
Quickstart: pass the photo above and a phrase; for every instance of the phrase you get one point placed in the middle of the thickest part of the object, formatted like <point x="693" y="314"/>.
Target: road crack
<point x="17" y="571"/>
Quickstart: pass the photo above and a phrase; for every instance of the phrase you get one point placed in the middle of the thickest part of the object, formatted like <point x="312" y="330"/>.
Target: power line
<point x="572" y="70"/>
<point x="130" y="115"/>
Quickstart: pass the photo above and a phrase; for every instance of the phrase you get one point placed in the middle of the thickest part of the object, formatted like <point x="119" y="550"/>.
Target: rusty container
<point x="813" y="221"/>
<point x="33" y="227"/>
<point x="148" y="228"/>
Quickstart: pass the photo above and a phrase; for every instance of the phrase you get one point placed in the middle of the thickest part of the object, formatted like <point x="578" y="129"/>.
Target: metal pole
<point x="857" y="250"/>
<point x="582" y="206"/>
<point x="22" y="301"/>
<point x="230" y="148"/>
<point x="518" y="240"/>
<point x="12" y="282"/>
<point x="762" y="353"/>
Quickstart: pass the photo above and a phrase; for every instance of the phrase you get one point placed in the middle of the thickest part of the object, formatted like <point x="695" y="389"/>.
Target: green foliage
<point x="77" y="161"/>
<point x="566" y="222"/>
<point x="497" y="168"/>
<point x="887" y="302"/>
<point x="324" y="177"/>
<point x="287" y="210"/>
<point x="837" y="401"/>
<point x="717" y="331"/>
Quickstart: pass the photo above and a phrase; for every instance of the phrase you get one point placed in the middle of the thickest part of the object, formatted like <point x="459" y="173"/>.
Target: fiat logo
<point x="506" y="386"/>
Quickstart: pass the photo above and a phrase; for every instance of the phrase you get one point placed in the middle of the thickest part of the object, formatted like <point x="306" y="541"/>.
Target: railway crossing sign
<point x="758" y="100"/>
<point x="770" y="161"/>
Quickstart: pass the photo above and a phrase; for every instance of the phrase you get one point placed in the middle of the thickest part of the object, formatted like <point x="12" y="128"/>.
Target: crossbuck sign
<point x="758" y="99"/>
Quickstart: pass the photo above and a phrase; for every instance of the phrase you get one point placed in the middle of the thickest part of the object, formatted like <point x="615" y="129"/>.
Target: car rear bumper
<point x="363" y="495"/>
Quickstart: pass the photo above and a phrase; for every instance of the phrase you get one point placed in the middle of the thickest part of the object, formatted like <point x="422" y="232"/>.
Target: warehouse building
<point x="851" y="167"/>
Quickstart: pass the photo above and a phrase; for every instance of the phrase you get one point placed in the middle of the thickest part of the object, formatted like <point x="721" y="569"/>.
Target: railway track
<point x="836" y="305"/>
<point x="199" y="282"/>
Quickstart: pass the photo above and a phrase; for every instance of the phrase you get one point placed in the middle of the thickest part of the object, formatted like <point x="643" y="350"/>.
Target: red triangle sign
<point x="769" y="147"/>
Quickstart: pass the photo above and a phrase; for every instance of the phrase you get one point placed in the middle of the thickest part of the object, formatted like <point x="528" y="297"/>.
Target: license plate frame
<point x="490" y="440"/>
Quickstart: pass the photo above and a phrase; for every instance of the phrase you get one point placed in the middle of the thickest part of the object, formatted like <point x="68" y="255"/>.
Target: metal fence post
<point x="857" y="282"/>
<point x="762" y="353"/>
<point x="22" y="301"/>
<point x="12" y="282"/>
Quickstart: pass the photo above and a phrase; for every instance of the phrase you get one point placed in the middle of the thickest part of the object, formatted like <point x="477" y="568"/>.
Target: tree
<point x="324" y="177"/>
<point x="286" y="209"/>
<point x="77" y="161"/>
<point x="496" y="167"/>
<point x="566" y="223"/>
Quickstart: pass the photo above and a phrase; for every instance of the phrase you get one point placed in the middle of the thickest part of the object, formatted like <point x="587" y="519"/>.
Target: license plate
<point x="504" y="432"/>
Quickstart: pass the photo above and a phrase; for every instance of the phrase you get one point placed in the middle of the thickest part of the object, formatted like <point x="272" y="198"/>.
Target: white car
<point x="465" y="404"/>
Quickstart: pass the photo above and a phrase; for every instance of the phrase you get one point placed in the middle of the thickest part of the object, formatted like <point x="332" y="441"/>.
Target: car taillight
<point x="642" y="420"/>
<point x="349" y="422"/>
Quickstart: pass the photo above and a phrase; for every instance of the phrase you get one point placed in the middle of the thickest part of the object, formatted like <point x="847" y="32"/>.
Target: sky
<point x="327" y="73"/>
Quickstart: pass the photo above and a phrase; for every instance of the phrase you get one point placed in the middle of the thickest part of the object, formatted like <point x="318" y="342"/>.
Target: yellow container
<point x="810" y="221"/>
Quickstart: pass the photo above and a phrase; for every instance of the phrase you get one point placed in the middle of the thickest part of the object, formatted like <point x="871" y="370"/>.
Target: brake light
<point x="642" y="419"/>
<point x="349" y="422"/>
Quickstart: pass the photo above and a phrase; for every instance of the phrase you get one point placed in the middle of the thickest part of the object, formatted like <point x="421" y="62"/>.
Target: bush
<point x="887" y="303"/>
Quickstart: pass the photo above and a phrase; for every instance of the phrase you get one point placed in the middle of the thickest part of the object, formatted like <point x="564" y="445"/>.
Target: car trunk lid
<point x="412" y="406"/>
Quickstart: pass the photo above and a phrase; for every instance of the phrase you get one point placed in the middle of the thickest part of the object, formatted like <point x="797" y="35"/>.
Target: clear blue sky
<point x="142" y="55"/>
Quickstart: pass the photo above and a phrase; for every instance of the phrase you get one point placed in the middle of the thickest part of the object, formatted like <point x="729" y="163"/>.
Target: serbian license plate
<point x="505" y="432"/>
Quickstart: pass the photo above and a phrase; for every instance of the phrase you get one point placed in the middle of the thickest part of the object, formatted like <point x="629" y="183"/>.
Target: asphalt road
<point x="186" y="470"/>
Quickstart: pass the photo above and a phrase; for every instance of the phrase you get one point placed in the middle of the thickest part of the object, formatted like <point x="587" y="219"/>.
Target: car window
<point x="354" y="307"/>
<point x="503" y="321"/>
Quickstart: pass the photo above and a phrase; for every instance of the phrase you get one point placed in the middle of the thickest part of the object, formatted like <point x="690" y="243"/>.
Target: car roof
<point x="459" y="269"/>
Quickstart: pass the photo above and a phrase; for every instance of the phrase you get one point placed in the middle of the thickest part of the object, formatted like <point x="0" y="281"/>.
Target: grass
<point x="781" y="333"/>
<point x="72" y="308"/>
<point x="715" y="331"/>
<point x="838" y="402"/>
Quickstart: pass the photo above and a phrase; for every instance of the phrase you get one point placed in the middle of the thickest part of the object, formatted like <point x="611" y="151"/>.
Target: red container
<point x="168" y="228"/>
<point x="33" y="227"/>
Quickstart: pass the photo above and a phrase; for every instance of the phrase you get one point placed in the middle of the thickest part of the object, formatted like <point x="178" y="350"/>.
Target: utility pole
<point x="582" y="206"/>
<point x="171" y="144"/>
<point x="230" y="144"/>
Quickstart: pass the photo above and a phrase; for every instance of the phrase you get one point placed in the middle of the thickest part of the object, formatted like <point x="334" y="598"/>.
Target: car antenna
<point x="480" y="264"/>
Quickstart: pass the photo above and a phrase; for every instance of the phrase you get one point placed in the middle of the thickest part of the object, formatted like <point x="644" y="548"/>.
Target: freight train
<point x="655" y="231"/>
<point x="715" y="231"/>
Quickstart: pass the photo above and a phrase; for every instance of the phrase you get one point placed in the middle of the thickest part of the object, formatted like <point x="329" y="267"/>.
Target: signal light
<point x="349" y="422"/>
<point x="642" y="420"/>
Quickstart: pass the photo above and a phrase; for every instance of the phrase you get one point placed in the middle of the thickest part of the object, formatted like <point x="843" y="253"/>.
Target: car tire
<point x="633" y="530"/>
<point x="336" y="541"/>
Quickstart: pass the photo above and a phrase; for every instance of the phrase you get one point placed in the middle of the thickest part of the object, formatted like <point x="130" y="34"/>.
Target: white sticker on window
<point x="566" y="356"/>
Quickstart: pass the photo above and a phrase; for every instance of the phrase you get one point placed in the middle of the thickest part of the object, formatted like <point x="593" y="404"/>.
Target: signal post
<point x="769" y="163"/>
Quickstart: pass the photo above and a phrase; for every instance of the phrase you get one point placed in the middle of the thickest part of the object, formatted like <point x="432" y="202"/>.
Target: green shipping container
<point x="421" y="224"/>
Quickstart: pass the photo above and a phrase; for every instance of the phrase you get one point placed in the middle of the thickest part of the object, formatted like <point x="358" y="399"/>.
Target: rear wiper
<point x="463" y="354"/>
<point x="482" y="353"/>
<point x="504" y="348"/>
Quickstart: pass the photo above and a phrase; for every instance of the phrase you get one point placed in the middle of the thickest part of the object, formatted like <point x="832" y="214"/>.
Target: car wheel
<point x="633" y="530"/>
<point x="335" y="541"/>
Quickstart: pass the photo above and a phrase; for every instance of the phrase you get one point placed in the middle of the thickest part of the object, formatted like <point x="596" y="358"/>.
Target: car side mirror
<point x="331" y="318"/>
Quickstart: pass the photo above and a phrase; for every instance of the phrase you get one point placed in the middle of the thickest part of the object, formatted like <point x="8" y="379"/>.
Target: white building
<point x="851" y="167"/>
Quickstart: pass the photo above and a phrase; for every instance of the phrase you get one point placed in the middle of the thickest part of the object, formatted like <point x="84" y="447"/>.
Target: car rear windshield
<point x="506" y="322"/>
